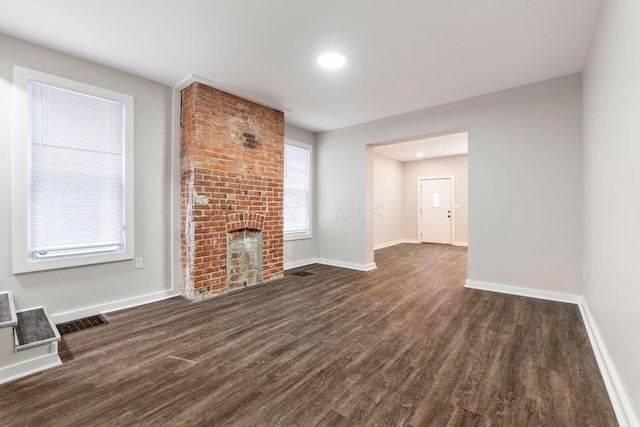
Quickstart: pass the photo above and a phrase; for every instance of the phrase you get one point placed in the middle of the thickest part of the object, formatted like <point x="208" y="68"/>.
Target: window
<point x="297" y="193"/>
<point x="73" y="173"/>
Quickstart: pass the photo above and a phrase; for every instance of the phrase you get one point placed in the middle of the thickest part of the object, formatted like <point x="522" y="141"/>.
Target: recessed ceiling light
<point x="420" y="154"/>
<point x="331" y="60"/>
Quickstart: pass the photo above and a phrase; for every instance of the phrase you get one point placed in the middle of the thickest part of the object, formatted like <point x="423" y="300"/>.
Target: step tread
<point x="34" y="328"/>
<point x="7" y="310"/>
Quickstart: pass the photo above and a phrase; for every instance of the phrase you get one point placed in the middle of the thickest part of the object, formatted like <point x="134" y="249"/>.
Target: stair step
<point x="7" y="310"/>
<point x="34" y="328"/>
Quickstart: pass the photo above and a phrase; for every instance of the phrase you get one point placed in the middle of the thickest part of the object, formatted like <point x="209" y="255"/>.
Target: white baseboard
<point x="349" y="265"/>
<point x="395" y="242"/>
<point x="412" y="241"/>
<point x="387" y="244"/>
<point x="524" y="292"/>
<point x="28" y="367"/>
<point x="332" y="263"/>
<point x="619" y="399"/>
<point x="113" y="306"/>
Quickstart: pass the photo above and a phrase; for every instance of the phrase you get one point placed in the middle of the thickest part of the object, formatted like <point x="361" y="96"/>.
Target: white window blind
<point x="76" y="161"/>
<point x="296" y="189"/>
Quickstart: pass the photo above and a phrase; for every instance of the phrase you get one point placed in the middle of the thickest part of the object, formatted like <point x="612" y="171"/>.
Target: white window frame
<point x="22" y="261"/>
<point x="308" y="234"/>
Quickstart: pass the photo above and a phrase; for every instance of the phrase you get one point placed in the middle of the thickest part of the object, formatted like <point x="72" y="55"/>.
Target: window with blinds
<point x="73" y="173"/>
<point x="77" y="181"/>
<point x="297" y="194"/>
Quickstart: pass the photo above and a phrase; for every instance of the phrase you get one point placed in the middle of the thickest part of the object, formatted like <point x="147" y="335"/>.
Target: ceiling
<point x="401" y="56"/>
<point x="438" y="146"/>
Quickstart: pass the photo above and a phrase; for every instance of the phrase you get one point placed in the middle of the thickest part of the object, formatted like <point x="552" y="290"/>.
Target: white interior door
<point x="435" y="210"/>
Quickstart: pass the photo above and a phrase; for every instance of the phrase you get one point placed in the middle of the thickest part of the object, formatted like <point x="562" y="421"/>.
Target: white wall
<point x="340" y="195"/>
<point x="304" y="251"/>
<point x="387" y="200"/>
<point x="98" y="285"/>
<point x="452" y="165"/>
<point x="612" y="189"/>
<point x="525" y="183"/>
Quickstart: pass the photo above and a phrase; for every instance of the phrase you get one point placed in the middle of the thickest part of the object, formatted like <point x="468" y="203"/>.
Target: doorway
<point x="396" y="171"/>
<point x="436" y="214"/>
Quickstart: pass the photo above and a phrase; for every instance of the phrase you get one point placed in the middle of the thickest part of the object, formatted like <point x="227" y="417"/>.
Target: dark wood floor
<point x="405" y="344"/>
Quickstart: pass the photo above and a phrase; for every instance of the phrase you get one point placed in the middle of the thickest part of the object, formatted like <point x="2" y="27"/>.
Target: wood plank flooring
<point x="405" y="344"/>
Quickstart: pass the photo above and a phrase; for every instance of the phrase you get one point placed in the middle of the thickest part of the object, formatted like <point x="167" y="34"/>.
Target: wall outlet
<point x="139" y="262"/>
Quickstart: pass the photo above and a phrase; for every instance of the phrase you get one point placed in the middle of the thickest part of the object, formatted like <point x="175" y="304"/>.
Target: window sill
<point x="26" y="266"/>
<point x="297" y="236"/>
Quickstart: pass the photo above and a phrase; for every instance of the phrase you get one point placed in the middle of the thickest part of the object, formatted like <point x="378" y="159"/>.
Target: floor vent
<point x="302" y="273"/>
<point x="80" y="324"/>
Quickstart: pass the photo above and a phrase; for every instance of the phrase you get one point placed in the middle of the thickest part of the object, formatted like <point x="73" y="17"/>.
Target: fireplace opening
<point x="244" y="258"/>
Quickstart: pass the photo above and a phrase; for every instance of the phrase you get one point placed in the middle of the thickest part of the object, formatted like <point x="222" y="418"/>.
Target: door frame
<point x="453" y="204"/>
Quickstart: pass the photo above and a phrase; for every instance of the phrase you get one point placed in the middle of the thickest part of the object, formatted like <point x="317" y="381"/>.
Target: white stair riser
<point x="29" y="359"/>
<point x="31" y="366"/>
<point x="7" y="347"/>
<point x="10" y="356"/>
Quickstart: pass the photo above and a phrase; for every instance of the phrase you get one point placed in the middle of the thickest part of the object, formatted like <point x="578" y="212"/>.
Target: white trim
<point x="304" y="235"/>
<point x="619" y="399"/>
<point x="524" y="292"/>
<point x="412" y="241"/>
<point x="193" y="78"/>
<point x="22" y="263"/>
<point x="13" y="321"/>
<point x="461" y="244"/>
<point x="28" y="367"/>
<point x="113" y="306"/>
<point x="388" y="244"/>
<point x="54" y="339"/>
<point x="332" y="263"/>
<point x="395" y="242"/>
<point x="349" y="265"/>
<point x="453" y="203"/>
<point x="308" y="234"/>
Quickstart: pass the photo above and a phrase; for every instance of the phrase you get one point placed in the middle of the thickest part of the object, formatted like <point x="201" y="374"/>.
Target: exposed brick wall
<point x="232" y="172"/>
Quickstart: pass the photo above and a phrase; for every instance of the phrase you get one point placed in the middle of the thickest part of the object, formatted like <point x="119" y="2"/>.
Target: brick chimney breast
<point x="232" y="172"/>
